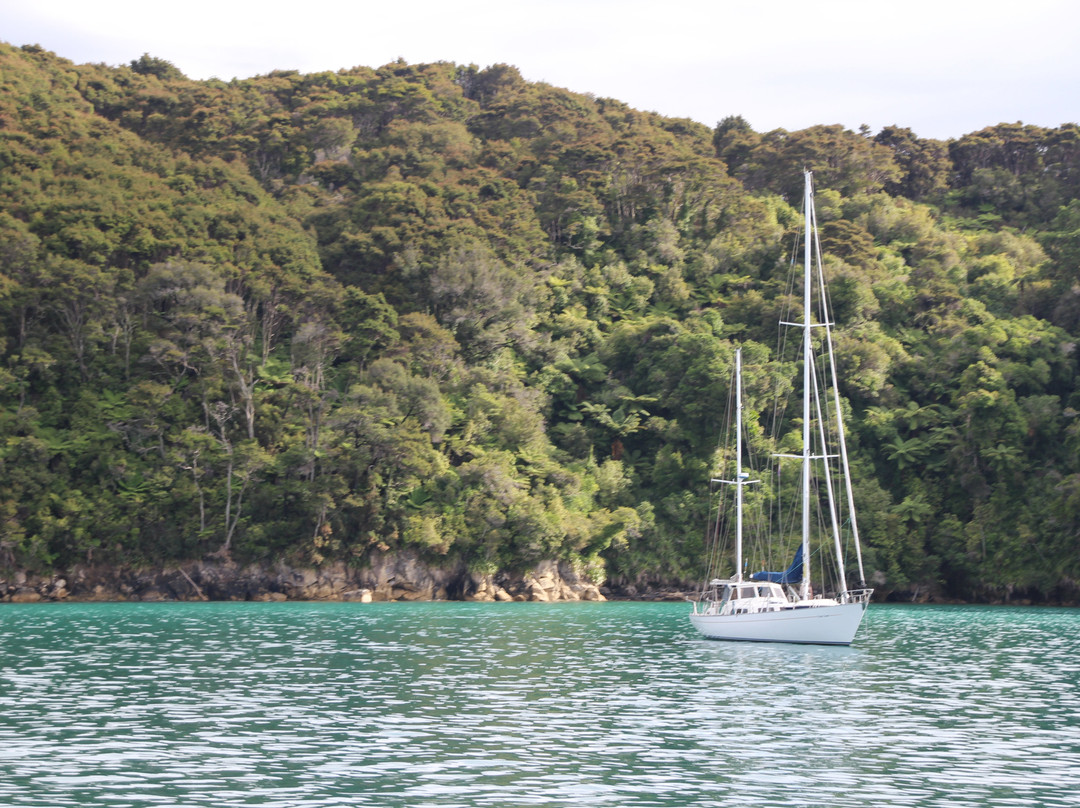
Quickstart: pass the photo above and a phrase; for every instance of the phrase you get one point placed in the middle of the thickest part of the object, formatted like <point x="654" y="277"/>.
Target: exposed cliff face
<point x="389" y="577"/>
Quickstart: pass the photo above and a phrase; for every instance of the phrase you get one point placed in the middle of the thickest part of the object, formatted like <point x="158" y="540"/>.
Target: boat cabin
<point x="745" y="597"/>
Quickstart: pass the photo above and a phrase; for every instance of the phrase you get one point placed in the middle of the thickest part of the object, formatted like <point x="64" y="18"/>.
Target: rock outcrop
<point x="547" y="581"/>
<point x="387" y="577"/>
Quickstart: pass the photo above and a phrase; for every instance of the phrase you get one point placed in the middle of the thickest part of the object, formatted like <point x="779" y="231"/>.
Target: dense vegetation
<point x="441" y="308"/>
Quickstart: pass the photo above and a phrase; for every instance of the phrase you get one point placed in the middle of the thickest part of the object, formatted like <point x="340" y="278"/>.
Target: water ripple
<point x="552" y="705"/>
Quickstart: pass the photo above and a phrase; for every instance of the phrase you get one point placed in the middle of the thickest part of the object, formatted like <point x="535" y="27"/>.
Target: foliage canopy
<point x="438" y="307"/>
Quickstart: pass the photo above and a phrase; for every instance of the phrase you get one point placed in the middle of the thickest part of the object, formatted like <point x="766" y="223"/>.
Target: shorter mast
<point x="738" y="466"/>
<point x="740" y="476"/>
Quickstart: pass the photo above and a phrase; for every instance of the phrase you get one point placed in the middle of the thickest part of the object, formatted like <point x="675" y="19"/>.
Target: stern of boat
<point x="856" y="596"/>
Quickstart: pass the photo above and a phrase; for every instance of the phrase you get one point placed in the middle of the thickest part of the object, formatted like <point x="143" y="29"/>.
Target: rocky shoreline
<point x="400" y="577"/>
<point x="386" y="578"/>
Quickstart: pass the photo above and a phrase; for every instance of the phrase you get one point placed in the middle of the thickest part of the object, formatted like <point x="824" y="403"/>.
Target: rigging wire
<point x="825" y="430"/>
<point x="779" y="514"/>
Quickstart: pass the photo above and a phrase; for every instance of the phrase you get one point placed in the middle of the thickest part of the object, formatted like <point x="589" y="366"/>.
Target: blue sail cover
<point x="792" y="575"/>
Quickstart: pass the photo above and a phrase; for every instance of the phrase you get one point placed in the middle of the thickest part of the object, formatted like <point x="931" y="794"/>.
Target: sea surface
<point x="523" y="704"/>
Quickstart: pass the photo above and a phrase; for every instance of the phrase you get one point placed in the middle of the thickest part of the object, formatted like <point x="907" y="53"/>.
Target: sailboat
<point x="781" y="606"/>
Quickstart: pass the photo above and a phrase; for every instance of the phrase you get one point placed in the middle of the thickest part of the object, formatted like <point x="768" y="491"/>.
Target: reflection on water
<point x="598" y="704"/>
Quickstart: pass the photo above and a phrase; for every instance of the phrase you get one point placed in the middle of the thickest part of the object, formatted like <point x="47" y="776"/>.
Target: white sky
<point x="942" y="68"/>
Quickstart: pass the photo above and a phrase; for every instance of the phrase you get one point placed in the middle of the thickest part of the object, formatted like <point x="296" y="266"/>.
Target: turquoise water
<point x="577" y="704"/>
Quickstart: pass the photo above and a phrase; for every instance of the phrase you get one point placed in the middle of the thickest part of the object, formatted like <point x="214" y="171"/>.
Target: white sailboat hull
<point x="833" y="624"/>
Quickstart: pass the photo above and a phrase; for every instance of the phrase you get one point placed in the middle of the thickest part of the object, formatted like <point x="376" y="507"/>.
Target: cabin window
<point x="747" y="592"/>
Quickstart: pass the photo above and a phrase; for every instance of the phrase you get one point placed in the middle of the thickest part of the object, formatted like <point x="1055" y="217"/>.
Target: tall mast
<point x="808" y="202"/>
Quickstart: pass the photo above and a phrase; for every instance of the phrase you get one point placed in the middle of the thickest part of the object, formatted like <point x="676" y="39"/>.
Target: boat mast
<point x="738" y="466"/>
<point x="808" y="202"/>
<point x="740" y="475"/>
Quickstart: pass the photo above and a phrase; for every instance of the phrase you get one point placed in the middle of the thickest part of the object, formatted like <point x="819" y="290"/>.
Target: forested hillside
<point x="439" y="308"/>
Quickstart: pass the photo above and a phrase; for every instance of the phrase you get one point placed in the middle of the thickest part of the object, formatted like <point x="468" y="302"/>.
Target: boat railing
<point x="856" y="596"/>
